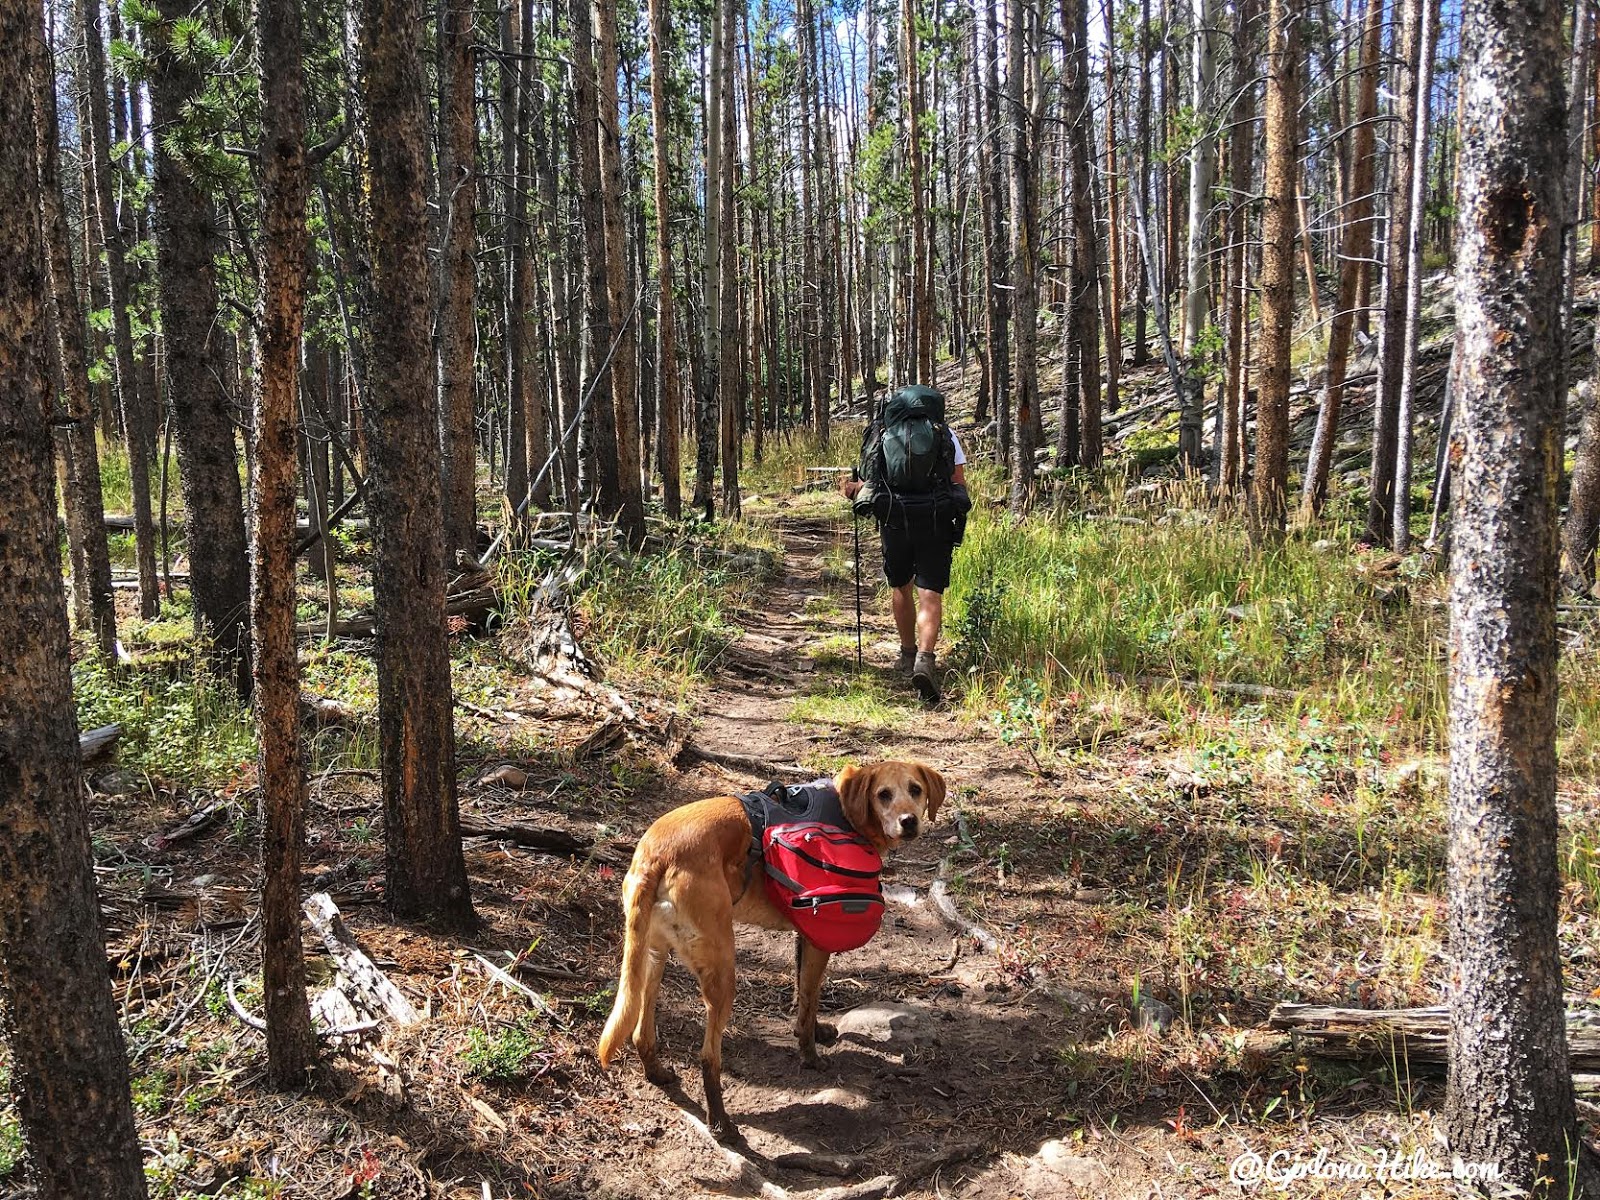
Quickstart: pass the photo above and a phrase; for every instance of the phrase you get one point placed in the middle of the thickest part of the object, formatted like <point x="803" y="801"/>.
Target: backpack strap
<point x="761" y="808"/>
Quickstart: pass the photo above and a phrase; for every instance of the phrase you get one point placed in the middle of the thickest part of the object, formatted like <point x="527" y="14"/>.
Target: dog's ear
<point x="934" y="783"/>
<point x="855" y="789"/>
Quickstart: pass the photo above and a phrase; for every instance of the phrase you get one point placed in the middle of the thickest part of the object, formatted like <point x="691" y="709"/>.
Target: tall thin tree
<point x="69" y="1069"/>
<point x="426" y="872"/>
<point x="285" y="187"/>
<point x="1270" y="481"/>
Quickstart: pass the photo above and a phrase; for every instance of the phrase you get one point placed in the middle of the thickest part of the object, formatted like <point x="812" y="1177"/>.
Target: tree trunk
<point x="204" y="419"/>
<point x="1509" y="1098"/>
<point x="624" y="363"/>
<point x="514" y="162"/>
<point x="728" y="308"/>
<point x="1354" y="251"/>
<point x="458" y="341"/>
<point x="86" y="530"/>
<point x="601" y="362"/>
<point x="1270" y="482"/>
<point x="1085" y="275"/>
<point x="709" y="410"/>
<point x="670" y="403"/>
<point x="1391" y="324"/>
<point x="919" y="334"/>
<point x="285" y="186"/>
<point x="1241" y="182"/>
<point x="1025" y="376"/>
<point x="137" y="409"/>
<point x="1143" y="271"/>
<point x="1411" y="327"/>
<point x="426" y="876"/>
<point x="996" y="261"/>
<point x="69" y="1070"/>
<point x="1202" y="177"/>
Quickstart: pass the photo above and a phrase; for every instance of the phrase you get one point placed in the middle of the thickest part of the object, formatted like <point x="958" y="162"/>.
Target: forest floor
<point x="1110" y="874"/>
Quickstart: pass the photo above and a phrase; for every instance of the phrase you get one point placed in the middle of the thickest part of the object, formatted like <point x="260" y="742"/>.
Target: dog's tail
<point x="638" y="907"/>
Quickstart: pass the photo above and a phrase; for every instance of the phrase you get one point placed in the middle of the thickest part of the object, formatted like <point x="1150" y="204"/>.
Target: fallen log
<point x="98" y="743"/>
<point x="547" y="839"/>
<point x="476" y="604"/>
<point x="1414" y="1034"/>
<point x="363" y="974"/>
<point x="748" y="763"/>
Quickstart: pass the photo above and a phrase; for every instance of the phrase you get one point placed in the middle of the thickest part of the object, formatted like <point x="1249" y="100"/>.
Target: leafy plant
<point x="501" y="1057"/>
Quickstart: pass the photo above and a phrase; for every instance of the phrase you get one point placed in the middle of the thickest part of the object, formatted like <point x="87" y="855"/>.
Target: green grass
<point x="784" y="460"/>
<point x="868" y="704"/>
<point x="1073" y="605"/>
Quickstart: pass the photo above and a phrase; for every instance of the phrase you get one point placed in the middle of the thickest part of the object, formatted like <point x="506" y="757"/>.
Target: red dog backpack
<point x="825" y="879"/>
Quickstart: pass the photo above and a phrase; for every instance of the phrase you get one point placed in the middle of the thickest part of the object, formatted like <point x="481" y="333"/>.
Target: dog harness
<point x="818" y="871"/>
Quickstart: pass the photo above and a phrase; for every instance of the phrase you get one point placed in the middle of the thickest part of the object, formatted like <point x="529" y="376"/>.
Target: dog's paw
<point x="726" y="1132"/>
<point x="660" y="1075"/>
<point x="827" y="1034"/>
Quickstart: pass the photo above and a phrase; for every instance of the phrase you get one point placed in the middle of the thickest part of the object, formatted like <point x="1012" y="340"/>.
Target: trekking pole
<point x="855" y="526"/>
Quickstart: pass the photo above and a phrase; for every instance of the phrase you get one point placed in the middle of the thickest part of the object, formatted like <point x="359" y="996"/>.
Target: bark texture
<point x="426" y="875"/>
<point x="458" y="191"/>
<point x="1509" y="1097"/>
<point x="204" y="420"/>
<point x="69" y="1070"/>
<point x="285" y="186"/>
<point x="1270" y="482"/>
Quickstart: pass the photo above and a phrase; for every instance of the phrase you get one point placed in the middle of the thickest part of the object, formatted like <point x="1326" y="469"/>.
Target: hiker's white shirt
<point x="961" y="455"/>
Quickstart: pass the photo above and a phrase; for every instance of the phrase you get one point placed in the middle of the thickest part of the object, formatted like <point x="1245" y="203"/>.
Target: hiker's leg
<point x="930" y="614"/>
<point x="902" y="600"/>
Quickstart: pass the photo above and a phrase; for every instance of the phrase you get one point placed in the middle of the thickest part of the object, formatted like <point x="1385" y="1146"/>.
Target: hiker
<point x="912" y="480"/>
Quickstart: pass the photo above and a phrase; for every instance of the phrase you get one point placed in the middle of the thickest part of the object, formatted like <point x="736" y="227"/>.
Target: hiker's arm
<point x="959" y="475"/>
<point x="850" y="487"/>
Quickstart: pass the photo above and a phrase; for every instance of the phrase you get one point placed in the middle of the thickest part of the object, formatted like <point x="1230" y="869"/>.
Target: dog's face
<point x="888" y="802"/>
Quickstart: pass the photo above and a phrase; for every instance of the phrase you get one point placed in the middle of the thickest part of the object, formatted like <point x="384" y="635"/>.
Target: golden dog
<point x="687" y="886"/>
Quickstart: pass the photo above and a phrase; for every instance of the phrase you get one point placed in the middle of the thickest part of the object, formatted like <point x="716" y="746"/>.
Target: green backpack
<point x="909" y="450"/>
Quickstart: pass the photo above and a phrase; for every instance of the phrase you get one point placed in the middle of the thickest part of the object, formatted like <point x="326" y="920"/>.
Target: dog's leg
<point x="702" y="935"/>
<point x="811" y="965"/>
<point x="644" y="1035"/>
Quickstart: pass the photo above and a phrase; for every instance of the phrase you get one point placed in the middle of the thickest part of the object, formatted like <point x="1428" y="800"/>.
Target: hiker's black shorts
<point x="917" y="548"/>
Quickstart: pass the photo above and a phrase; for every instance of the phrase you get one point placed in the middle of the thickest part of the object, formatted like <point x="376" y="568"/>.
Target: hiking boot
<point x="908" y="660"/>
<point x="923" y="675"/>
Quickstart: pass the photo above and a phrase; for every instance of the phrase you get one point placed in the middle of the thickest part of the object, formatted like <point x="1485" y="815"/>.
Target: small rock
<point x="1054" y="1165"/>
<point x="840" y="1097"/>
<point x="116" y="782"/>
<point x="203" y="881"/>
<point x="1153" y="1015"/>
<point x="887" y="1023"/>
<point x="1324" y="545"/>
